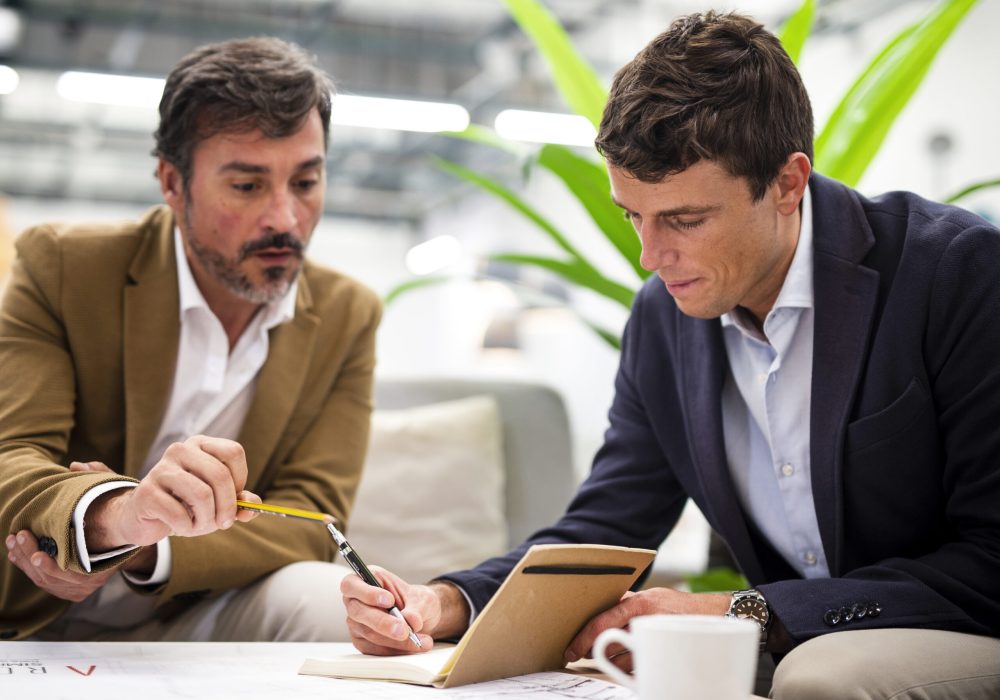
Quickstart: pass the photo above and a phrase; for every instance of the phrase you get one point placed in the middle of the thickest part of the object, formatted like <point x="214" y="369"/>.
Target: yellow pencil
<point x="285" y="512"/>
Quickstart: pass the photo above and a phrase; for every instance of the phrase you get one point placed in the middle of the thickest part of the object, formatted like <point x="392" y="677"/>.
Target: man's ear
<point x="791" y="182"/>
<point x="171" y="184"/>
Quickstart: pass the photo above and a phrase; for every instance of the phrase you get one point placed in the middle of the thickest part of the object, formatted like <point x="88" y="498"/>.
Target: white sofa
<point x="458" y="471"/>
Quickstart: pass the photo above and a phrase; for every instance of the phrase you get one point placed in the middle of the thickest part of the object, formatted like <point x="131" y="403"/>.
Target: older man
<point x="152" y="372"/>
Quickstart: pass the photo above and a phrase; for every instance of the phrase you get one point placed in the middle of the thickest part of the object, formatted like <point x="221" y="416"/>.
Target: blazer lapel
<point x="703" y="362"/>
<point x="150" y="336"/>
<point x="845" y="297"/>
<point x="280" y="383"/>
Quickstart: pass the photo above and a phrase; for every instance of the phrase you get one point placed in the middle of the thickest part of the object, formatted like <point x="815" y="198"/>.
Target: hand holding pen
<point x="346" y="551"/>
<point x="352" y="558"/>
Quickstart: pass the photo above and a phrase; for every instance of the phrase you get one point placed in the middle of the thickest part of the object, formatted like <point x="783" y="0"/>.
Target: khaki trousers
<point x="298" y="603"/>
<point x="891" y="664"/>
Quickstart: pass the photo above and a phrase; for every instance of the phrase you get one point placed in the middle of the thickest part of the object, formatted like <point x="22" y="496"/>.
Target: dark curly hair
<point x="712" y="86"/>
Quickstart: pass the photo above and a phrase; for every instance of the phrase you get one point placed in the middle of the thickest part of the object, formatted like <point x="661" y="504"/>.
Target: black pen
<point x="352" y="558"/>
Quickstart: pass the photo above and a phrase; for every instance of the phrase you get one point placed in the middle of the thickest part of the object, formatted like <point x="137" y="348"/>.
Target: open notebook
<point x="525" y="628"/>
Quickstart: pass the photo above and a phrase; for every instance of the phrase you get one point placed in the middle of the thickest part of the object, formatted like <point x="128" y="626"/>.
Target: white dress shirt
<point x="211" y="395"/>
<point x="766" y="402"/>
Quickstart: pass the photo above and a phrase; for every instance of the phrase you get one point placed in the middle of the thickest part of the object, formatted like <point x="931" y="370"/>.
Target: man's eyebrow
<point x="314" y="162"/>
<point x="685" y="210"/>
<point x="690" y="209"/>
<point x="239" y="166"/>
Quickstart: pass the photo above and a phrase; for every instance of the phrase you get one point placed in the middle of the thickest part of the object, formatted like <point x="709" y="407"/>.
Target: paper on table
<point x="422" y="669"/>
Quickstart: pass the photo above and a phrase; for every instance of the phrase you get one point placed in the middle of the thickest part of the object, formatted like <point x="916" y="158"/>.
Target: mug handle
<point x="601" y="644"/>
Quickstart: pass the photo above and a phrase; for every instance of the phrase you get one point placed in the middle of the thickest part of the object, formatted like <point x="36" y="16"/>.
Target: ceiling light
<point x="403" y="115"/>
<point x="348" y="110"/>
<point x="109" y="89"/>
<point x="433" y="255"/>
<point x="545" y="127"/>
<point x="8" y="80"/>
<point x="11" y="27"/>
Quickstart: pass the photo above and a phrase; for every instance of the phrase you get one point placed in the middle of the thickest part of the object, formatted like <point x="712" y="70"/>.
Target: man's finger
<point x="230" y="453"/>
<point x="242" y="514"/>
<point x="414" y="619"/>
<point x="193" y="458"/>
<point x="616" y="616"/>
<point x="375" y="643"/>
<point x="196" y="497"/>
<point x="352" y="586"/>
<point x="377" y="620"/>
<point x="622" y="660"/>
<point x="89" y="467"/>
<point x="19" y="556"/>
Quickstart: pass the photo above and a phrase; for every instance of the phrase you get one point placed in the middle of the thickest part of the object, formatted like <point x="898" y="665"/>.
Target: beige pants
<point x="298" y="603"/>
<point x="891" y="664"/>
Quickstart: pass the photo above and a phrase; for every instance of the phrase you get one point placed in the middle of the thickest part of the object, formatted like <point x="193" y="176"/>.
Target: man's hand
<point x="438" y="610"/>
<point x="22" y="550"/>
<point x="191" y="491"/>
<point x="653" y="601"/>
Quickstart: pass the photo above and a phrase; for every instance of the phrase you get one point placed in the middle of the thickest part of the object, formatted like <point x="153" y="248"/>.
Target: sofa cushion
<point x="432" y="493"/>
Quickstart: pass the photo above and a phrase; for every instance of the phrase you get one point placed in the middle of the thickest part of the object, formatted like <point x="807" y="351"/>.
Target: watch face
<point x="753" y="609"/>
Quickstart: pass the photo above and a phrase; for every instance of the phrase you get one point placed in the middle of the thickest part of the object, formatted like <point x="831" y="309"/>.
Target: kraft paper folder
<point x="525" y="628"/>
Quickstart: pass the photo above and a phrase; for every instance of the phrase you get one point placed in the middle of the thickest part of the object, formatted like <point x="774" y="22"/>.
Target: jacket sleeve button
<point x="48" y="545"/>
<point x="874" y="610"/>
<point x="832" y="618"/>
<point x="846" y="614"/>
<point x="859" y="611"/>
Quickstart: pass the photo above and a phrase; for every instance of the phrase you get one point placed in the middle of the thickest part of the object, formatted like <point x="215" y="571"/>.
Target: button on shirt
<point x="766" y="403"/>
<point x="211" y="395"/>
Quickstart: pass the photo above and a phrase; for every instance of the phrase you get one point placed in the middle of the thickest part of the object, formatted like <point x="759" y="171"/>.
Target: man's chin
<point x="700" y="311"/>
<point x="267" y="289"/>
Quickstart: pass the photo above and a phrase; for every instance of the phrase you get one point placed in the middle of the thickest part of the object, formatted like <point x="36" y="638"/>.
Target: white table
<point x="241" y="671"/>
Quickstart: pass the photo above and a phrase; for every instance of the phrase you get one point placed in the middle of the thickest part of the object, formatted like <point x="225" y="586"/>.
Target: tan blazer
<point x="89" y="330"/>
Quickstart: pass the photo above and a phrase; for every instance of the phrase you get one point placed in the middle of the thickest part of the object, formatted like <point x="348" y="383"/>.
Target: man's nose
<point x="657" y="249"/>
<point x="280" y="214"/>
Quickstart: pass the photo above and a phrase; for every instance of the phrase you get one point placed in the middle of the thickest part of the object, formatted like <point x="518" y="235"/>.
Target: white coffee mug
<point x="685" y="657"/>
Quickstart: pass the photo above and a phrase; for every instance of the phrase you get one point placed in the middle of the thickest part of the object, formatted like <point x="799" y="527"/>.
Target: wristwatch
<point x="751" y="605"/>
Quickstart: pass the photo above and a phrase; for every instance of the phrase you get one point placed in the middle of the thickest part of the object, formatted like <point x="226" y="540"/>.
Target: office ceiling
<point x="463" y="51"/>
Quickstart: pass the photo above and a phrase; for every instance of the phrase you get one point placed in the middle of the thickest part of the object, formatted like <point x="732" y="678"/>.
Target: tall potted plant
<point x="845" y="146"/>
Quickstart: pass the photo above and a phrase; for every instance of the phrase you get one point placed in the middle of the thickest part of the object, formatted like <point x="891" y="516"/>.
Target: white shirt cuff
<point x="163" y="568"/>
<point x="78" y="520"/>
<point x="161" y="572"/>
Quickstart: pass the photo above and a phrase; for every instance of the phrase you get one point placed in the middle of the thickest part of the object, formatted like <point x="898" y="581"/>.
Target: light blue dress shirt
<point x="766" y="402"/>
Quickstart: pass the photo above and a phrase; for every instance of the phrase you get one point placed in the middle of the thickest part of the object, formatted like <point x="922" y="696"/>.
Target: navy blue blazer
<point x="904" y="426"/>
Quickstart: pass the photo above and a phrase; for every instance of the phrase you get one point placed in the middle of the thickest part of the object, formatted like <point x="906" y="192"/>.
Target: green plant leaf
<point x="719" y="579"/>
<point x="612" y="339"/>
<point x="574" y="77"/>
<point x="975" y="187"/>
<point x="416" y="283"/>
<point x="796" y="29"/>
<point x="588" y="181"/>
<point x="512" y="199"/>
<point x="576" y="271"/>
<point x="859" y="124"/>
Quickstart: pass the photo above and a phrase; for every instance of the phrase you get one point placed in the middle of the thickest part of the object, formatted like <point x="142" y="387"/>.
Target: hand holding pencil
<point x="346" y="551"/>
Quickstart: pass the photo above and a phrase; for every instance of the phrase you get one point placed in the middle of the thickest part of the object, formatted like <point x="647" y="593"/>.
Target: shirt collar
<point x="274" y="313"/>
<point x="797" y="289"/>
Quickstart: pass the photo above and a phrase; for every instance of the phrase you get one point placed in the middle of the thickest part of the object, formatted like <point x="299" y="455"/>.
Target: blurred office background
<point x="72" y="151"/>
